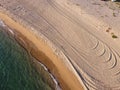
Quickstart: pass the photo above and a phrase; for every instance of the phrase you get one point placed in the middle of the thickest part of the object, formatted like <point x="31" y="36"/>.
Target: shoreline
<point x="45" y="54"/>
<point x="54" y="80"/>
<point x="53" y="83"/>
<point x="41" y="68"/>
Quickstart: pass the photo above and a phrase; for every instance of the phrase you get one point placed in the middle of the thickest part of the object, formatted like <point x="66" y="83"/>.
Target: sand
<point x="73" y="38"/>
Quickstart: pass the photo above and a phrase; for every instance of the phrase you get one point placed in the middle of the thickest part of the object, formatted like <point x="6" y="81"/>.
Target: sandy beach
<point x="41" y="51"/>
<point x="78" y="44"/>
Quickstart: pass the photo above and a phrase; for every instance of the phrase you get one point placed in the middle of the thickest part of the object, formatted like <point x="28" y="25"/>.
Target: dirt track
<point x="94" y="55"/>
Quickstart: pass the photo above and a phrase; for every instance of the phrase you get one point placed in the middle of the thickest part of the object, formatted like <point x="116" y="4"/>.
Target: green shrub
<point x="114" y="36"/>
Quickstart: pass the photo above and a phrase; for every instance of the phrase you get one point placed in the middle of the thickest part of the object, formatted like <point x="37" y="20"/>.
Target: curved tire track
<point x="111" y="60"/>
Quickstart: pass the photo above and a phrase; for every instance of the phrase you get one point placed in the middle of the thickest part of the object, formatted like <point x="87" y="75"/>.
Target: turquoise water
<point x="17" y="71"/>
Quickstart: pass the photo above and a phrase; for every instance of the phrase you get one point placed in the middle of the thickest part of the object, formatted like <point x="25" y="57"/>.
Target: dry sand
<point x="73" y="38"/>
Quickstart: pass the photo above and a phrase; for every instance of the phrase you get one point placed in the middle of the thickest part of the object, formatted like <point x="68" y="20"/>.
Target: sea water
<point x="17" y="71"/>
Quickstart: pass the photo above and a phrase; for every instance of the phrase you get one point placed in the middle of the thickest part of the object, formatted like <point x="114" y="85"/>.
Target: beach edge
<point x="42" y="52"/>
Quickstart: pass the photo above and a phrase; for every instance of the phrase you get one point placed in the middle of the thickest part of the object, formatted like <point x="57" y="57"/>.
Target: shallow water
<point x="17" y="71"/>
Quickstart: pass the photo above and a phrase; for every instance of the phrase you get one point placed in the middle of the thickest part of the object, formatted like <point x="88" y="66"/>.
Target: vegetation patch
<point x="114" y="36"/>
